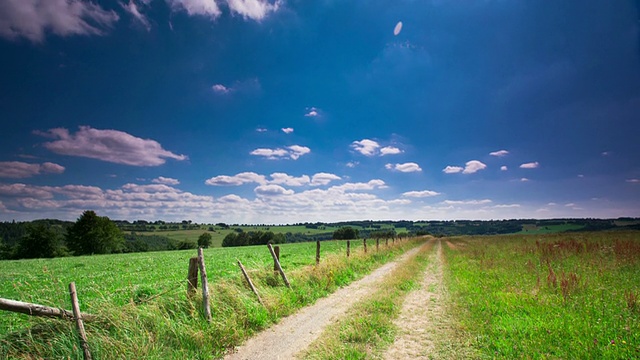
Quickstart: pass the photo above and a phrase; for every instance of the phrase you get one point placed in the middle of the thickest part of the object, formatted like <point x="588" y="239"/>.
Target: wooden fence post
<point x="205" y="285"/>
<point x="348" y="247"/>
<point x="377" y="244"/>
<point x="39" y="310"/>
<point x="253" y="288"/>
<point x="192" y="276"/>
<point x="275" y="259"/>
<point x="386" y="242"/>
<point x="276" y="250"/>
<point x="364" y="243"/>
<point x="317" y="252"/>
<point x="78" y="316"/>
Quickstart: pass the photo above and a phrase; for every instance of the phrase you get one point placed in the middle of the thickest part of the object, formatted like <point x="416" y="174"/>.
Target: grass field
<point x="560" y="296"/>
<point x="141" y="301"/>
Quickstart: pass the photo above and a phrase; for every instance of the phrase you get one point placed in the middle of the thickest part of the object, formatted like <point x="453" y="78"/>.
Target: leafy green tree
<point x="93" y="234"/>
<point x="6" y="251"/>
<point x="39" y="242"/>
<point x="204" y="241"/>
<point x="345" y="233"/>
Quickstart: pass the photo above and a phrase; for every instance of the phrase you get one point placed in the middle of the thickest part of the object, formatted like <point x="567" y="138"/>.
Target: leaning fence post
<point x="205" y="285"/>
<point x="246" y="277"/>
<point x="317" y="252"/>
<point x="276" y="250"/>
<point x="348" y="247"/>
<point x="79" y="324"/>
<point x="377" y="244"/>
<point x="277" y="262"/>
<point x="364" y="243"/>
<point x="192" y="276"/>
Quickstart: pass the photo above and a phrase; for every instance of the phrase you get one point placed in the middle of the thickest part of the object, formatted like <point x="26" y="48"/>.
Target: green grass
<point x="368" y="329"/>
<point x="559" y="296"/>
<point x="141" y="301"/>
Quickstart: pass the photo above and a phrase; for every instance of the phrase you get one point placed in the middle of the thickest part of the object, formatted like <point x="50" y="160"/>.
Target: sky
<point x="287" y="111"/>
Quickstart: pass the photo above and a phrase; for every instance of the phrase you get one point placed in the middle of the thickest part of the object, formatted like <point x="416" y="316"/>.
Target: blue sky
<point x="248" y="111"/>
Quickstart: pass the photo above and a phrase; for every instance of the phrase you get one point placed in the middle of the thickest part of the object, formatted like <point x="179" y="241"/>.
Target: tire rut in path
<point x="422" y="315"/>
<point x="295" y="332"/>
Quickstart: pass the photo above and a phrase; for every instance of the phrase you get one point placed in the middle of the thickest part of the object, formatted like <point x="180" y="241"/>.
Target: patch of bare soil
<point x="423" y="315"/>
<point x="294" y="333"/>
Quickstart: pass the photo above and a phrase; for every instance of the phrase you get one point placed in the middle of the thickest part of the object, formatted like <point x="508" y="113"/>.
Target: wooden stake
<point x="205" y="285"/>
<point x="246" y="277"/>
<point x="377" y="244"/>
<point x="317" y="252"/>
<point x="364" y="243"/>
<point x="276" y="250"/>
<point x="277" y="262"/>
<point x="192" y="276"/>
<point x="348" y="247"/>
<point x="38" y="310"/>
<point x="78" y="316"/>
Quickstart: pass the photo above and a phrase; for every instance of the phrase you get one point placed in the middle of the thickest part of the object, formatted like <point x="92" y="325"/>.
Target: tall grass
<point x="562" y="296"/>
<point x="137" y="320"/>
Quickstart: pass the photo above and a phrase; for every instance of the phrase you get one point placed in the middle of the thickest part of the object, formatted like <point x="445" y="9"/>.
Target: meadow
<point x="141" y="300"/>
<point x="555" y="296"/>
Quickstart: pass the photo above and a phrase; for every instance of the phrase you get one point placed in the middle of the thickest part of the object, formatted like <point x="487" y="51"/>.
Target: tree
<point x="92" y="234"/>
<point x="204" y="241"/>
<point x="39" y="242"/>
<point x="345" y="233"/>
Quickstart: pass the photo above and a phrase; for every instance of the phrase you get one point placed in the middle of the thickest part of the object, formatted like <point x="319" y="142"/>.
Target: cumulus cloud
<point x="18" y="169"/>
<point x="248" y="86"/>
<point x="296" y="151"/>
<point x="452" y="169"/>
<point x="208" y="8"/>
<point x="524" y="179"/>
<point x="390" y="150"/>
<point x="467" y="202"/>
<point x="285" y="179"/>
<point x="473" y="166"/>
<point x="503" y="168"/>
<point x="32" y="19"/>
<point x="633" y="181"/>
<point x="24" y="190"/>
<point x="506" y="206"/>
<point x="108" y="145"/>
<point x="352" y="164"/>
<point x="370" y="185"/>
<point x="311" y="112"/>
<point x="421" y="194"/>
<point x="236" y="180"/>
<point x="287" y="130"/>
<point x="323" y="179"/>
<point x="252" y="9"/>
<point x="133" y="10"/>
<point x="531" y="165"/>
<point x="499" y="153"/>
<point x="366" y="147"/>
<point x="165" y="181"/>
<point x="220" y="89"/>
<point x="261" y="130"/>
<point x="272" y="190"/>
<point x="406" y="167"/>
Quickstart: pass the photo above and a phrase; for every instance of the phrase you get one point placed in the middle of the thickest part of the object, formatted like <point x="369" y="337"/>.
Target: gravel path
<point x="422" y="315"/>
<point x="294" y="333"/>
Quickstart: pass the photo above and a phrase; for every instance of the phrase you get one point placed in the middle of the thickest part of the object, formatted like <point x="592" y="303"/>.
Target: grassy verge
<point x="368" y="328"/>
<point x="171" y="326"/>
<point x="562" y="296"/>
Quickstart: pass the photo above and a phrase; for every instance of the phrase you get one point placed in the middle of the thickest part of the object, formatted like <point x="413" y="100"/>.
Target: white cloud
<point x="524" y="179"/>
<point x="372" y="184"/>
<point x="531" y="165"/>
<point x="272" y="190"/>
<point x="253" y="9"/>
<point x="311" y="112"/>
<point x="297" y="151"/>
<point x="552" y="204"/>
<point x="352" y="164"/>
<point x="606" y="153"/>
<point x="261" y="130"/>
<point x="499" y="153"/>
<point x="406" y="167"/>
<point x="165" y="181"/>
<point x="132" y="9"/>
<point x="323" y="179"/>
<point x="467" y="202"/>
<point x="366" y="147"/>
<point x="421" y="194"/>
<point x="31" y="19"/>
<point x="287" y="130"/>
<point x="473" y="166"/>
<point x="18" y="169"/>
<point x="570" y="205"/>
<point x="207" y="8"/>
<point x="220" y="89"/>
<point x="503" y="168"/>
<point x="452" y="169"/>
<point x="24" y="190"/>
<point x="236" y="180"/>
<point x="285" y="179"/>
<point x="506" y="206"/>
<point x="397" y="28"/>
<point x="633" y="181"/>
<point x="108" y="145"/>
<point x="389" y="150"/>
